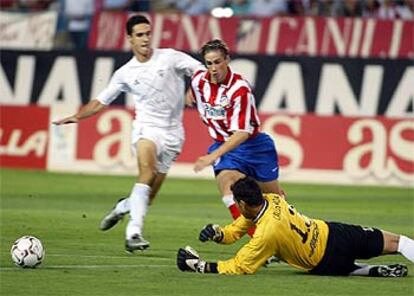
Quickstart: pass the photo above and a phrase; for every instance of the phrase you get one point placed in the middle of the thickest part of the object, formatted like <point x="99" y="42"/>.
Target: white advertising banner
<point x="34" y="31"/>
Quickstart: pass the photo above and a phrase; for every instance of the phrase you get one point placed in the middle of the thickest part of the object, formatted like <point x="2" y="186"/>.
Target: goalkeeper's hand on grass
<point x="211" y="232"/>
<point x="189" y="260"/>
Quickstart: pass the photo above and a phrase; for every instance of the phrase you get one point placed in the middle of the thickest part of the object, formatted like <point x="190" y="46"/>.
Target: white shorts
<point x="169" y="143"/>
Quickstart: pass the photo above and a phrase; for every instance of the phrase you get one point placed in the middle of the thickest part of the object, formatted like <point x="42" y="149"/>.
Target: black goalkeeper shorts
<point x="346" y="243"/>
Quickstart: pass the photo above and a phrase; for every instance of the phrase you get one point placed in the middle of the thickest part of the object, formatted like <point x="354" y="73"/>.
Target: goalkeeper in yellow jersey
<point x="316" y="246"/>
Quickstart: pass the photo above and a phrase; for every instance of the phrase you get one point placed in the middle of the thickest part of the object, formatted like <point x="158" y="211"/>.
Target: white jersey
<point x="157" y="85"/>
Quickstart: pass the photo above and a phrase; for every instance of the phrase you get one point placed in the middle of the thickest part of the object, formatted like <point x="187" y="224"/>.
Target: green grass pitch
<point x="64" y="211"/>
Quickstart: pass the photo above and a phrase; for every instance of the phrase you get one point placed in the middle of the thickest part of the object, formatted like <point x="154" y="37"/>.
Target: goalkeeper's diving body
<point x="316" y="246"/>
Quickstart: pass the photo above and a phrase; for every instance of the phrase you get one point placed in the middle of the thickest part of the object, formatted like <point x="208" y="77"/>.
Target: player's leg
<point x="156" y="185"/>
<point x="391" y="270"/>
<point x="156" y="153"/>
<point x="390" y="244"/>
<point x="262" y="163"/>
<point x="122" y="206"/>
<point x="394" y="243"/>
<point x="227" y="171"/>
<point x="115" y="214"/>
<point x="172" y="145"/>
<point x="224" y="181"/>
<point x="140" y="194"/>
<point x="272" y="187"/>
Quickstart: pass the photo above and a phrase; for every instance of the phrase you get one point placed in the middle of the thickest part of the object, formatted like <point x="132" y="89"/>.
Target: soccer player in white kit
<point x="156" y="79"/>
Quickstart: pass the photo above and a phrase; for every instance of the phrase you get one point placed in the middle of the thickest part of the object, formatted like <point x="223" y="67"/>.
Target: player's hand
<point x="211" y="232"/>
<point x="189" y="98"/>
<point x="189" y="260"/>
<point x="282" y="193"/>
<point x="66" y="120"/>
<point x="203" y="162"/>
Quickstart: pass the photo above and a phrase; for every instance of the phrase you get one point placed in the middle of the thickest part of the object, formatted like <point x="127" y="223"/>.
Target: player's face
<point x="216" y="64"/>
<point x="140" y="40"/>
<point x="243" y="209"/>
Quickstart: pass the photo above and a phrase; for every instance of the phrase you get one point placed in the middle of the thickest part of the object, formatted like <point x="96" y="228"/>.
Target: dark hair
<point x="215" y="44"/>
<point x="248" y="190"/>
<point x="135" y="20"/>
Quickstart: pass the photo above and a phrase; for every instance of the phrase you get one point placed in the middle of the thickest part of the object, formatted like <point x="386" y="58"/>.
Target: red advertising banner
<point x="354" y="147"/>
<point x="335" y="149"/>
<point x="24" y="136"/>
<point x="291" y="36"/>
<point x="376" y="145"/>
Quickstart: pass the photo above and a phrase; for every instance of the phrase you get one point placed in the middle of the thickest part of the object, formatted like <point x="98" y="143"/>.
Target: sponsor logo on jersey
<point x="214" y="112"/>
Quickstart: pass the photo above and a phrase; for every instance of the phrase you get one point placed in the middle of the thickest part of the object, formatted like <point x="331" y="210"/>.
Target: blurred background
<point x="333" y="79"/>
<point x="75" y="17"/>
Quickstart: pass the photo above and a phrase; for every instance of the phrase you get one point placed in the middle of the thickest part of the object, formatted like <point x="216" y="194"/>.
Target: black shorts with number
<point x="345" y="244"/>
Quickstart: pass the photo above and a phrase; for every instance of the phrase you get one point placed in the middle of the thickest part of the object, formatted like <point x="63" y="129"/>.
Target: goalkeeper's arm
<point x="189" y="260"/>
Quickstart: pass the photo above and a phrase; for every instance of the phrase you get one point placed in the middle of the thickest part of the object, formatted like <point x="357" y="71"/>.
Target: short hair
<point x="135" y="20"/>
<point x="247" y="190"/>
<point x="215" y="44"/>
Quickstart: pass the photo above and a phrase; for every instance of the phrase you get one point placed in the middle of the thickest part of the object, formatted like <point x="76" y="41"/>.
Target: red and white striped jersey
<point x="226" y="107"/>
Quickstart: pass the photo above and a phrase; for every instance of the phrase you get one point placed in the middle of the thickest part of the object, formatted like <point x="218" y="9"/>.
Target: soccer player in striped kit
<point x="227" y="106"/>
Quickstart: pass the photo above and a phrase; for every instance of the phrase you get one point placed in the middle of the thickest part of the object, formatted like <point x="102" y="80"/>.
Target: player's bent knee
<point x="230" y="176"/>
<point x="226" y="178"/>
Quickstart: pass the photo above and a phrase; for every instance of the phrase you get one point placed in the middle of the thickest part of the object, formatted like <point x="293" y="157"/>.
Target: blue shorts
<point x="256" y="158"/>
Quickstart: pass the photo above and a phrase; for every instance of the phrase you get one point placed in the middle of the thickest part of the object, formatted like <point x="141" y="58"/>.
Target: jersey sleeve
<point x="186" y="64"/>
<point x="236" y="230"/>
<point x="251" y="256"/>
<point x="242" y="107"/>
<point x="112" y="90"/>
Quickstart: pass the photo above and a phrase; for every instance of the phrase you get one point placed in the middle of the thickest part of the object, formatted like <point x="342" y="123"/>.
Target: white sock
<point x="122" y="207"/>
<point x="228" y="200"/>
<point x="406" y="247"/>
<point x="138" y="201"/>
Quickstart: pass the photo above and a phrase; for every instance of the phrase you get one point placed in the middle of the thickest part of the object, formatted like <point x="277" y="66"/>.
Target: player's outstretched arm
<point x="93" y="107"/>
<point x="211" y="232"/>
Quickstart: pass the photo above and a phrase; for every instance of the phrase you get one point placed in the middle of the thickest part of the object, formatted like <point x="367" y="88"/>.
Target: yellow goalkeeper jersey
<point x="280" y="231"/>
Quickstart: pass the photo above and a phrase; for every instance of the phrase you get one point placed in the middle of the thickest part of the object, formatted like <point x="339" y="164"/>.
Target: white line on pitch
<point x="95" y="266"/>
<point x="127" y="256"/>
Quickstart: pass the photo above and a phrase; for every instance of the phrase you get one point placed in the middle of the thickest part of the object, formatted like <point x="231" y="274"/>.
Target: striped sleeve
<point x="240" y="115"/>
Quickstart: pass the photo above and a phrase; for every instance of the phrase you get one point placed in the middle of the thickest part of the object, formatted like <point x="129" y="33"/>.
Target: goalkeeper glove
<point x="189" y="260"/>
<point x="211" y="232"/>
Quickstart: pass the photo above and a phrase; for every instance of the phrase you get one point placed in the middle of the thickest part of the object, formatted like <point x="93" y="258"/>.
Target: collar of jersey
<point x="138" y="63"/>
<point x="227" y="81"/>
<point x="262" y="211"/>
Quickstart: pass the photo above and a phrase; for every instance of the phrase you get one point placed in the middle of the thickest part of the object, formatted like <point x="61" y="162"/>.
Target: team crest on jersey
<point x="224" y="101"/>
